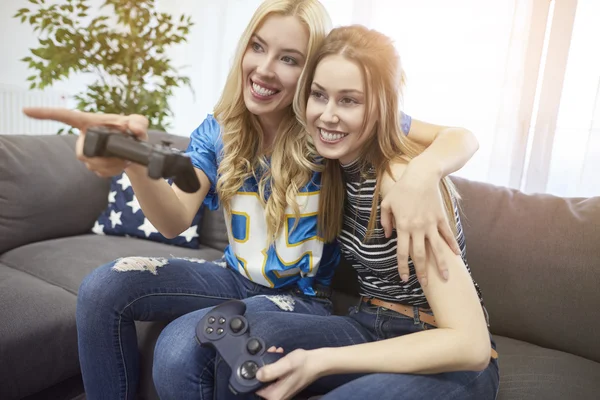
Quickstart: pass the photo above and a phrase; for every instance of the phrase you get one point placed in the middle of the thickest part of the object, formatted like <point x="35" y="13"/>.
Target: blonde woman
<point x="403" y="340"/>
<point x="253" y="158"/>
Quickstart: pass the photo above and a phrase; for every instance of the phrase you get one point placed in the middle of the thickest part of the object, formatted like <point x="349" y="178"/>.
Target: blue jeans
<point x="115" y="295"/>
<point x="364" y="323"/>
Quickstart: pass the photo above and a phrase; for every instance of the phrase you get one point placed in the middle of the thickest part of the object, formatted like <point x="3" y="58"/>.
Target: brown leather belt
<point x="409" y="312"/>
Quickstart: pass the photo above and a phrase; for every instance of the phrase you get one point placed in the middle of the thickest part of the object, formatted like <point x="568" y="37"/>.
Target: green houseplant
<point x="123" y="44"/>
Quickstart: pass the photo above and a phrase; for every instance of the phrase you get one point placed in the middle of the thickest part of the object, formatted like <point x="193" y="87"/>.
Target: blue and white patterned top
<point x="298" y="257"/>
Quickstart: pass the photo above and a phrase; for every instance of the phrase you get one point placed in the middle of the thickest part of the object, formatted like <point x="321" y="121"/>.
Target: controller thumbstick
<point x="236" y="325"/>
<point x="248" y="370"/>
<point x="253" y="346"/>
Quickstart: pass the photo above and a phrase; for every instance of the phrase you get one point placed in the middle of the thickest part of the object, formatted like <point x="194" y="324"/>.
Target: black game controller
<point x="162" y="161"/>
<point x="226" y="329"/>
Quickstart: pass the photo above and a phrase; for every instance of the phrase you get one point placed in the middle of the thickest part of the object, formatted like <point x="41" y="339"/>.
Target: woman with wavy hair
<point x="403" y="340"/>
<point x="254" y="159"/>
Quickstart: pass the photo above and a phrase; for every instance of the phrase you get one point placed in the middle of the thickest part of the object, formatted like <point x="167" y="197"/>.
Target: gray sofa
<point x="536" y="259"/>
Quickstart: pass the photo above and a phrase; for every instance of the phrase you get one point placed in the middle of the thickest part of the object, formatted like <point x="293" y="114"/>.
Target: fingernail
<point x="404" y="278"/>
<point x="445" y="274"/>
<point x="423" y="282"/>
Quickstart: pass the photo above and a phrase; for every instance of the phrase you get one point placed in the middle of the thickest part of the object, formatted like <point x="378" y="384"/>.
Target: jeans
<point x="115" y="295"/>
<point x="365" y="323"/>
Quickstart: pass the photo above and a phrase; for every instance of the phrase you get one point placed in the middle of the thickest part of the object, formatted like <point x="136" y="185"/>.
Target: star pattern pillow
<point x="124" y="217"/>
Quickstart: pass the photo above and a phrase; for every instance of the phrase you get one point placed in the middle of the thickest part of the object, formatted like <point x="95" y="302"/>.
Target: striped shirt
<point x="376" y="259"/>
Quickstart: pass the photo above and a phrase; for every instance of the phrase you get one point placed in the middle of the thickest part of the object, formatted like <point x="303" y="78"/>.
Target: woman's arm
<point x="461" y="341"/>
<point x="448" y="149"/>
<point x="413" y="205"/>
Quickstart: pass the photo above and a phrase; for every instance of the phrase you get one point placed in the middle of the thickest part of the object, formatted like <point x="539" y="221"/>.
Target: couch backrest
<point x="45" y="192"/>
<point x="537" y="260"/>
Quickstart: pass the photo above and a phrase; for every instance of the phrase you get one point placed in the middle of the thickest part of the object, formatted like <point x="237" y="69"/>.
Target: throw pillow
<point x="124" y="217"/>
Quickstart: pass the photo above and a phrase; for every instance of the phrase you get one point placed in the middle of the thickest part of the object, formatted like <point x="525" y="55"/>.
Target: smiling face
<point x="336" y="109"/>
<point x="272" y="65"/>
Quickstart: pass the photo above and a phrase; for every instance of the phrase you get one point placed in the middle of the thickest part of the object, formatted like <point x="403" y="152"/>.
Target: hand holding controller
<point x="161" y="160"/>
<point x="226" y="329"/>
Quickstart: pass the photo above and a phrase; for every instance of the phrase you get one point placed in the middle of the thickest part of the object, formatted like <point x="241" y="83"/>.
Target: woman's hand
<point x="415" y="207"/>
<point x="291" y="374"/>
<point x="102" y="166"/>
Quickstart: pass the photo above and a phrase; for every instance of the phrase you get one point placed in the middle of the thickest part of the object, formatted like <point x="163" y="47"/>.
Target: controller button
<point x="253" y="346"/>
<point x="220" y="330"/>
<point x="211" y="320"/>
<point x="209" y="330"/>
<point x="221" y="321"/>
<point x="236" y="325"/>
<point x="248" y="370"/>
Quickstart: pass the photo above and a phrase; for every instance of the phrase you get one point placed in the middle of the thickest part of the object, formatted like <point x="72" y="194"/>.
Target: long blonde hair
<point x="292" y="160"/>
<point x="384" y="78"/>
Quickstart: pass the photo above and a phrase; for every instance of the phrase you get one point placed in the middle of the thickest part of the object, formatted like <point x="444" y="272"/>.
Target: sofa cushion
<point x="529" y="372"/>
<point x="39" y="342"/>
<point x="65" y="262"/>
<point x="124" y="216"/>
<point x="45" y="192"/>
<point x="536" y="259"/>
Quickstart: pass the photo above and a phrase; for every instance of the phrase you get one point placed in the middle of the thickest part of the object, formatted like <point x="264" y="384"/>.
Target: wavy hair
<point x="384" y="79"/>
<point x="293" y="157"/>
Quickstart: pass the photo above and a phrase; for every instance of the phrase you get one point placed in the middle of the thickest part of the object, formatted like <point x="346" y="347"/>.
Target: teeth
<point x="261" y="90"/>
<point x="331" y="137"/>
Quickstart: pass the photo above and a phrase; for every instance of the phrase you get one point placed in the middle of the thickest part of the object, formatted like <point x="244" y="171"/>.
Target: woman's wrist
<point x="325" y="361"/>
<point x="135" y="169"/>
<point x="426" y="167"/>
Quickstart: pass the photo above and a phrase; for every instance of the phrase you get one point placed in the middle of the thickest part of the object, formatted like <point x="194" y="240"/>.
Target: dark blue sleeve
<point x="405" y="121"/>
<point x="204" y="150"/>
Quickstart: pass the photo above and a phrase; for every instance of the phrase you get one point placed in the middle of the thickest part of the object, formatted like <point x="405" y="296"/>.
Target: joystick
<point x="253" y="346"/>
<point x="226" y="330"/>
<point x="162" y="160"/>
<point x="236" y="325"/>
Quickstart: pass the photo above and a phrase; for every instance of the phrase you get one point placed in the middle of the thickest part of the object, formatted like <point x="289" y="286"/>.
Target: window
<point x="575" y="157"/>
